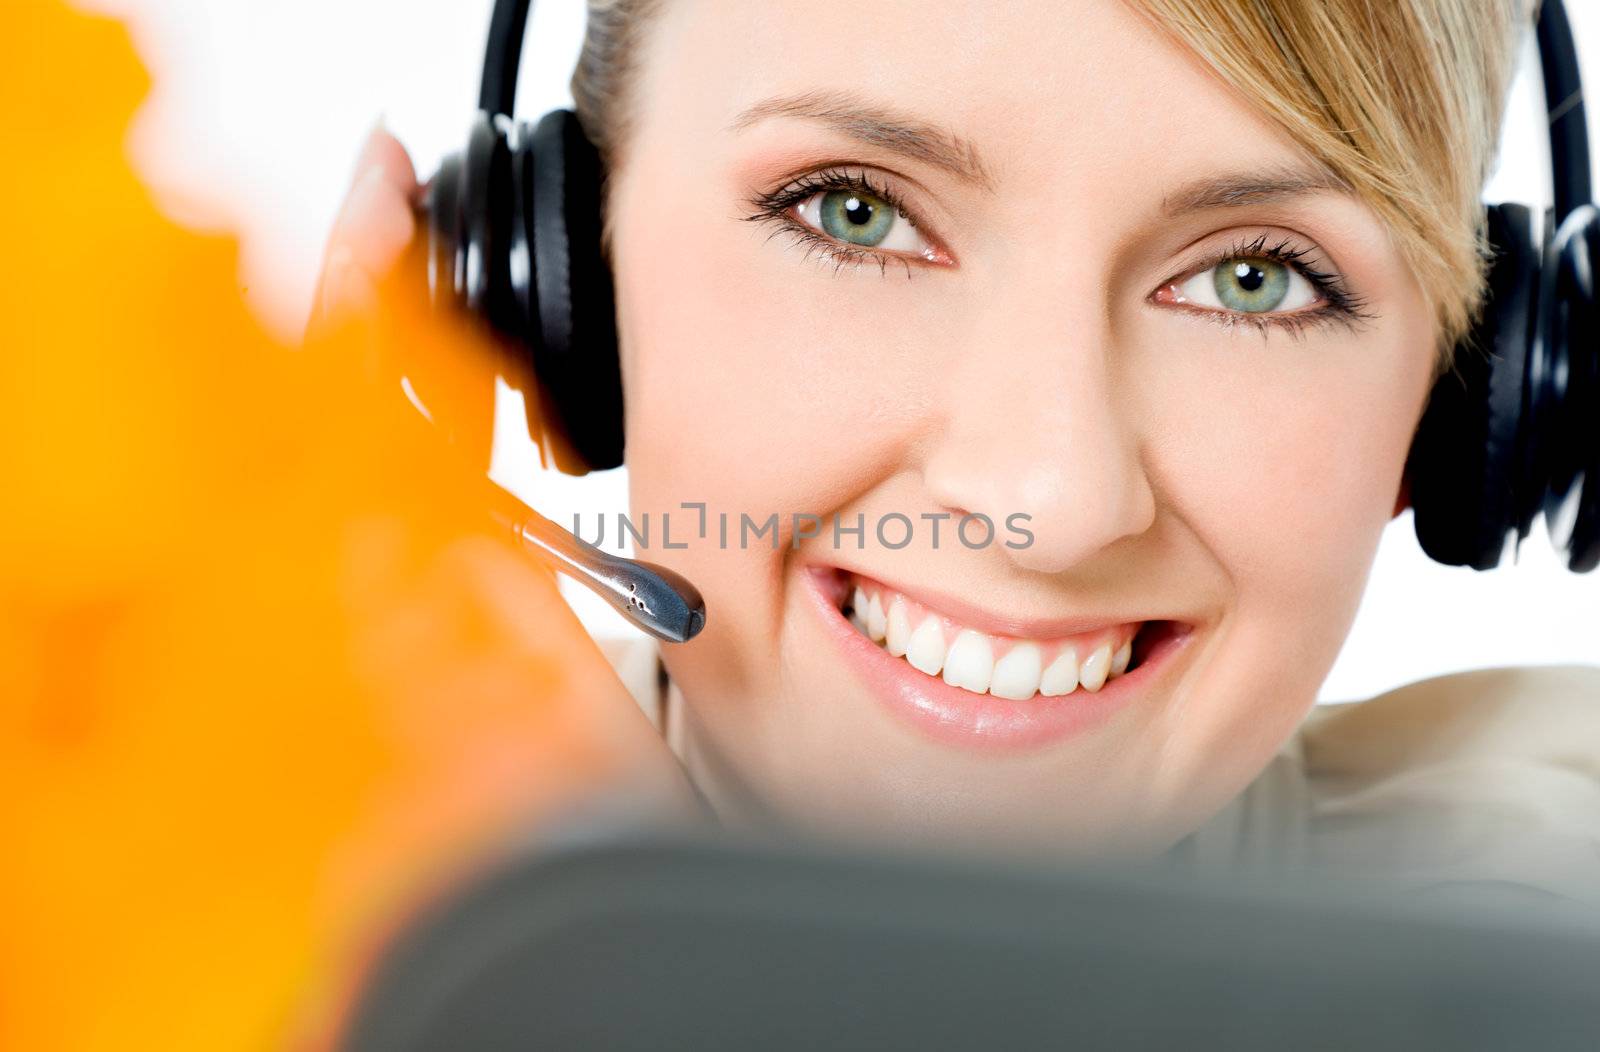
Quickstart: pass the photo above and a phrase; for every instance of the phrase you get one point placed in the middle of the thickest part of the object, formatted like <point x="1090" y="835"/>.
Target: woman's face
<point x="1029" y="261"/>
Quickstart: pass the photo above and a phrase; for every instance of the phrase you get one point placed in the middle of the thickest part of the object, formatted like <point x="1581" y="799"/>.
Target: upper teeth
<point x="1023" y="669"/>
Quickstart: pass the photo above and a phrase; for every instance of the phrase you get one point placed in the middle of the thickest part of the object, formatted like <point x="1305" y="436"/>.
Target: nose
<point x="1032" y="426"/>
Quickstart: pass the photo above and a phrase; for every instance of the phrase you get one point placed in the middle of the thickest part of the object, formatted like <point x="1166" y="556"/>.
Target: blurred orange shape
<point x="265" y="684"/>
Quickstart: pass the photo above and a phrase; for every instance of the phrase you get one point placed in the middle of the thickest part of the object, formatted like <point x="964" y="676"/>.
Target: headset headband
<point x="1563" y="93"/>
<point x="507" y="27"/>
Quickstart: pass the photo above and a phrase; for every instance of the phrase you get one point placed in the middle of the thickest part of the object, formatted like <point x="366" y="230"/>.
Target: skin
<point x="1171" y="466"/>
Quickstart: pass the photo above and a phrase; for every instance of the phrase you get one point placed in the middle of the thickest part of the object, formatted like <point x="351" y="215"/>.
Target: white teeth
<point x="1119" y="660"/>
<point x="1016" y="676"/>
<point x="877" y="625"/>
<point x="1095" y="668"/>
<point x="970" y="662"/>
<point x="1062" y="675"/>
<point x="925" y="651"/>
<point x="899" y="629"/>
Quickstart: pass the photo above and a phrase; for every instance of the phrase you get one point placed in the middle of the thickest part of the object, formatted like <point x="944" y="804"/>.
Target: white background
<point x="257" y="112"/>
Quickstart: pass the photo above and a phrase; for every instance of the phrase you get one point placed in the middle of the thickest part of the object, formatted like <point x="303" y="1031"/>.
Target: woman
<point x="1158" y="289"/>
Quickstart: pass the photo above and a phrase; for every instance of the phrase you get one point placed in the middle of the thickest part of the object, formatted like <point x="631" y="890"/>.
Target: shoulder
<point x="1550" y="714"/>
<point x="1486" y="776"/>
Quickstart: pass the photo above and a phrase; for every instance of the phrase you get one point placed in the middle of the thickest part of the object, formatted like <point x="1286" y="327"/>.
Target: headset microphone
<point x="653" y="597"/>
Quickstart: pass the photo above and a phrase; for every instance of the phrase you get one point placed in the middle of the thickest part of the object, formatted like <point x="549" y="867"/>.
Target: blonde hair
<point x="1401" y="100"/>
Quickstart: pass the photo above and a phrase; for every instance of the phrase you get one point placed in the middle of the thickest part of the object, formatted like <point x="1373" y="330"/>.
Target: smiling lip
<point x="954" y="716"/>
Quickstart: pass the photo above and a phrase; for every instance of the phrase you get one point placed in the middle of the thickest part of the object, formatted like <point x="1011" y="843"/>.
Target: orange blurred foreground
<point x="265" y="680"/>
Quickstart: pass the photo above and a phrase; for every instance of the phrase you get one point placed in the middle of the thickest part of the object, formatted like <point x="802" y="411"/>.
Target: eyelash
<point x="1341" y="306"/>
<point x="773" y="207"/>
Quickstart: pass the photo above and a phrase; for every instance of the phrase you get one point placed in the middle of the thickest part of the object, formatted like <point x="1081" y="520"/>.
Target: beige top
<point x="1475" y="780"/>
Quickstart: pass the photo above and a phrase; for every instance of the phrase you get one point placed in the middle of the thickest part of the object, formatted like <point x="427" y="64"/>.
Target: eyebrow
<point x="876" y="125"/>
<point x="1250" y="188"/>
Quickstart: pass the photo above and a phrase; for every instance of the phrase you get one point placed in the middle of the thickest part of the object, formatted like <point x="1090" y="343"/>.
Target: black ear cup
<point x="1514" y="429"/>
<point x="1469" y="464"/>
<point x="576" y="360"/>
<point x="514" y="226"/>
<point x="469" y="224"/>
<point x="1565" y="380"/>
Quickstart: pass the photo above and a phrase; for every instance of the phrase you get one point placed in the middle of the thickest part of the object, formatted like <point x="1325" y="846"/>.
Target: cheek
<point x="1285" y="459"/>
<point x="1281" y="461"/>
<point x="752" y="375"/>
<point x="752" y="385"/>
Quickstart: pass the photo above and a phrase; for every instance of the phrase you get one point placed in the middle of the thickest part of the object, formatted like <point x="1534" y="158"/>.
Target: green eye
<point x="1254" y="286"/>
<point x="855" y="217"/>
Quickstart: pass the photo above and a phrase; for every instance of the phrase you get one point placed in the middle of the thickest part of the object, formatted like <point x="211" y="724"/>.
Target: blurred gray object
<point x="690" y="943"/>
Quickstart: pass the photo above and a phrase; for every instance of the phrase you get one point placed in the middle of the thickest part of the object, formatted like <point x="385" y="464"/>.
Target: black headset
<point x="514" y="236"/>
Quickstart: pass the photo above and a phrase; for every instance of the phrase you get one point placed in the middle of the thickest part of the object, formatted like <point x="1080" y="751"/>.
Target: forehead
<point x="1065" y="90"/>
